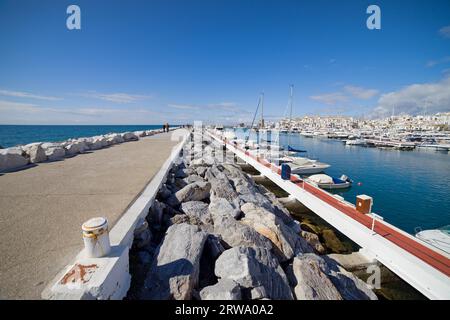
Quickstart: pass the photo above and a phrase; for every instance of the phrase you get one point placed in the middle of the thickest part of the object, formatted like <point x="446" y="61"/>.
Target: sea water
<point x="409" y="188"/>
<point x="12" y="135"/>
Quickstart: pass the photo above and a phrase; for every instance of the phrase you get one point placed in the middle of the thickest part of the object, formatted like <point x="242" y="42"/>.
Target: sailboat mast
<point x="262" y="110"/>
<point x="290" y="102"/>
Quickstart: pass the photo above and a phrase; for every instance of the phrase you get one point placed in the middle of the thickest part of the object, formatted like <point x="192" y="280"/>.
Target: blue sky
<point x="145" y="62"/>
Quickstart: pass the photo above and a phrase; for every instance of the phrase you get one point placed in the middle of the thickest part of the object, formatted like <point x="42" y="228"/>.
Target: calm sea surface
<point x="410" y="188"/>
<point x="12" y="135"/>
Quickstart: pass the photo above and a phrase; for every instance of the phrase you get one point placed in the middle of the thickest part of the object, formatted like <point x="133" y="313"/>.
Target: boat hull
<point x="308" y="169"/>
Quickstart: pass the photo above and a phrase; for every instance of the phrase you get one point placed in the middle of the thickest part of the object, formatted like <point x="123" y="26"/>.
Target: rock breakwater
<point x="215" y="234"/>
<point x="20" y="156"/>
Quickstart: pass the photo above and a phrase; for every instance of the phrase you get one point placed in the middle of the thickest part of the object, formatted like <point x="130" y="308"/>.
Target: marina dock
<point x="42" y="208"/>
<point x="419" y="264"/>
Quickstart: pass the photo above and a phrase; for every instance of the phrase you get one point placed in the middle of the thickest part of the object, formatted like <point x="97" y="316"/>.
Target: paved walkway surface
<point x="42" y="208"/>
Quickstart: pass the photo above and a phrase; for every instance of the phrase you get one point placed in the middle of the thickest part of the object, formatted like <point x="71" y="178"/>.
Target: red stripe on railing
<point x="412" y="246"/>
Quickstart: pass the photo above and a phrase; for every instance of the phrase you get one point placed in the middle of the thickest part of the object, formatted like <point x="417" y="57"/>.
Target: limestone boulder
<point x="320" y="278"/>
<point x="254" y="268"/>
<point x="175" y="270"/>
<point x="196" y="191"/>
<point x="201" y="171"/>
<point x="141" y="133"/>
<point x="313" y="241"/>
<point x="235" y="234"/>
<point x="193" y="178"/>
<point x="220" y="206"/>
<point x="114" y="138"/>
<point x="98" y="142"/>
<point x="224" y="289"/>
<point x="34" y="152"/>
<point x="164" y="192"/>
<point x="310" y="280"/>
<point x="155" y="216"/>
<point x="55" y="153"/>
<point x="349" y="286"/>
<point x="221" y="186"/>
<point x="272" y="227"/>
<point x="130" y="136"/>
<point x="142" y="234"/>
<point x="74" y="147"/>
<point x="197" y="209"/>
<point x="12" y="158"/>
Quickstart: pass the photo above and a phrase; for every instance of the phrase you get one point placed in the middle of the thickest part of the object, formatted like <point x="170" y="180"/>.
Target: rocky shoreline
<point x="19" y="157"/>
<point x="213" y="233"/>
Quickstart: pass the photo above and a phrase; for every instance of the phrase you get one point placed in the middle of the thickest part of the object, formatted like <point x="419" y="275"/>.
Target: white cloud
<point x="118" y="97"/>
<point x="445" y="31"/>
<point x="27" y="113"/>
<point x="433" y="63"/>
<point x="330" y="98"/>
<point x="360" y="92"/>
<point x="22" y="94"/>
<point x="416" y="99"/>
<point x="183" y="106"/>
<point x="17" y="106"/>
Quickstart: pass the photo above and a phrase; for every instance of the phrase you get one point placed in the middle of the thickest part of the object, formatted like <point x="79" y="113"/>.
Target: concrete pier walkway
<point x="42" y="208"/>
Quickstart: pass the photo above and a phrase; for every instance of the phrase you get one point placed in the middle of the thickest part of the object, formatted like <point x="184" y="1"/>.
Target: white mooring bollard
<point x="96" y="237"/>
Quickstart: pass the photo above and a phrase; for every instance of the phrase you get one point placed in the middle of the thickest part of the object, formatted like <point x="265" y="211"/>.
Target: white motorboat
<point x="357" y="142"/>
<point x="306" y="166"/>
<point x="438" y="238"/>
<point x="326" y="182"/>
<point x="307" y="134"/>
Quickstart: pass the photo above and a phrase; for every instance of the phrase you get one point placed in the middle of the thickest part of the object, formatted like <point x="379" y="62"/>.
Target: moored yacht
<point x="326" y="182"/>
<point x="438" y="238"/>
<point x="301" y="165"/>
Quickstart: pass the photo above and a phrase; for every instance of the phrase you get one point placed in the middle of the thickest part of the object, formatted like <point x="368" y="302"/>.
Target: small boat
<point x="326" y="182"/>
<point x="295" y="150"/>
<point x="306" y="166"/>
<point x="357" y="142"/>
<point x="438" y="238"/>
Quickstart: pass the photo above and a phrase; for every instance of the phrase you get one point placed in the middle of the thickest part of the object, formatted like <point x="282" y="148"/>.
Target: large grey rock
<point x="142" y="234"/>
<point x="313" y="241"/>
<point x="221" y="207"/>
<point x="252" y="268"/>
<point x="197" y="209"/>
<point x="53" y="150"/>
<point x="174" y="272"/>
<point x="35" y="152"/>
<point x="130" y="136"/>
<point x="114" y="138"/>
<point x="196" y="191"/>
<point x="55" y="153"/>
<point x="234" y="233"/>
<point x="155" y="215"/>
<point x="74" y="147"/>
<point x="141" y="133"/>
<point x="11" y="158"/>
<point x="270" y="226"/>
<point x="193" y="178"/>
<point x="201" y="171"/>
<point x="164" y="192"/>
<point x="98" y="142"/>
<point x="181" y="173"/>
<point x="317" y="278"/>
<point x="221" y="186"/>
<point x="310" y="282"/>
<point x="225" y="289"/>
<point x="281" y="212"/>
<point x="349" y="286"/>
